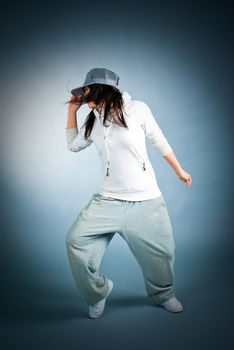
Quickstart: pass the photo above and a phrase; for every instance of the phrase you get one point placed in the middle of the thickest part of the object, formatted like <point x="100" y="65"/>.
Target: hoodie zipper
<point x="105" y="140"/>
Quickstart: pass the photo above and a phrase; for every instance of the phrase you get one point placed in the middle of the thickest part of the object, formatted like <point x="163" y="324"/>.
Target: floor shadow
<point x="53" y="308"/>
<point x="63" y="308"/>
<point x="129" y="301"/>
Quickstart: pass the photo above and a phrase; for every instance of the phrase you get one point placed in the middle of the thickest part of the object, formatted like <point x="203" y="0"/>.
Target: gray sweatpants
<point x="146" y="227"/>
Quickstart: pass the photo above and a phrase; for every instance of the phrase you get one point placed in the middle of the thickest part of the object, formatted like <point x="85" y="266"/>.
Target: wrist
<point x="72" y="110"/>
<point x="178" y="171"/>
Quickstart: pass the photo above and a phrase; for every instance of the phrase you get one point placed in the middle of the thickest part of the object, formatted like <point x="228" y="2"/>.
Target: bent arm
<point x="75" y="138"/>
<point x="71" y="119"/>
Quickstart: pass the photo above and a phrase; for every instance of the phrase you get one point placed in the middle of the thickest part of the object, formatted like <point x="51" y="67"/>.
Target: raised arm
<point x="75" y="138"/>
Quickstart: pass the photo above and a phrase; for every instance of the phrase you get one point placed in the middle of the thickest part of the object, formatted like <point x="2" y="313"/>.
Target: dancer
<point x="130" y="201"/>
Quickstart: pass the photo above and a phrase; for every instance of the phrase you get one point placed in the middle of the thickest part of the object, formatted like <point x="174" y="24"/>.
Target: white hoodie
<point x="127" y="172"/>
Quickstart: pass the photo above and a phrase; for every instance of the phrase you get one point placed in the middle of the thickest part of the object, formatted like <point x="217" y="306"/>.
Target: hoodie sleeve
<point x="153" y="132"/>
<point x="75" y="139"/>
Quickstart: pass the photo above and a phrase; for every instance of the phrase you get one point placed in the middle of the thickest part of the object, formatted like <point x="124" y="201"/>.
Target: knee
<point x="70" y="242"/>
<point x="67" y="239"/>
<point x="169" y="253"/>
<point x="73" y="247"/>
<point x="70" y="238"/>
<point x="73" y="233"/>
<point x="73" y="239"/>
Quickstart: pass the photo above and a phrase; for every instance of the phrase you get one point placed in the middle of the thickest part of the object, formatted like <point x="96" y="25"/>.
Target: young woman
<point x="130" y="201"/>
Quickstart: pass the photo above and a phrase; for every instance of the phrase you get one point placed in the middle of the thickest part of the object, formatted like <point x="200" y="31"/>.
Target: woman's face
<point x="91" y="104"/>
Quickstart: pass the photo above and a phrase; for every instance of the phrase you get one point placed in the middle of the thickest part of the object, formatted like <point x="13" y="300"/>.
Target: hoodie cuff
<point x="165" y="149"/>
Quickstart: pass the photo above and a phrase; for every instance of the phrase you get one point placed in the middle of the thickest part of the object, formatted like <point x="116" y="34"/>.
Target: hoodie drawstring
<point x="107" y="151"/>
<point x="127" y="100"/>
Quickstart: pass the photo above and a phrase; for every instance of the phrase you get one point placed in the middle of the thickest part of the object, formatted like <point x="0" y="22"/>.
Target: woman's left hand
<point x="185" y="177"/>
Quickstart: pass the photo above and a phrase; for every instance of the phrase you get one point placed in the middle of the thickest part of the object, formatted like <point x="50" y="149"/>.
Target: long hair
<point x="108" y="98"/>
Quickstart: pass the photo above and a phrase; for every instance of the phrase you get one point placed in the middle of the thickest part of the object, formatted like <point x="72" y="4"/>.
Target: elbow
<point x="165" y="149"/>
<point x="167" y="154"/>
<point x="71" y="148"/>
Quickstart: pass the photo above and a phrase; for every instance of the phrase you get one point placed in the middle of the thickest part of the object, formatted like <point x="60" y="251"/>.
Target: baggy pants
<point x="145" y="225"/>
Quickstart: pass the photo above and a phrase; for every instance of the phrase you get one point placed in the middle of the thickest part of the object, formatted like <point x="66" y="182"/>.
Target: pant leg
<point x="86" y="242"/>
<point x="148" y="233"/>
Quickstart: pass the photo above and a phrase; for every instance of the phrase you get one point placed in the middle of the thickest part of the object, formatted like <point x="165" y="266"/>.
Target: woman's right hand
<point x="75" y="103"/>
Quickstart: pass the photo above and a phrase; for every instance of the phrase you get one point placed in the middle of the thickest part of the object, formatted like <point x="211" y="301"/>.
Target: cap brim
<point x="77" y="91"/>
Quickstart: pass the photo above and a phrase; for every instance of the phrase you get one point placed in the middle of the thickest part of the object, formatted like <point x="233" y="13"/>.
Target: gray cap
<point x="98" y="76"/>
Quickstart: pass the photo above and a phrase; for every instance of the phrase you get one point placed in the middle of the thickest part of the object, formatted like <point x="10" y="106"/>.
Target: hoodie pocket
<point x="140" y="159"/>
<point x="143" y="165"/>
<point x="137" y="136"/>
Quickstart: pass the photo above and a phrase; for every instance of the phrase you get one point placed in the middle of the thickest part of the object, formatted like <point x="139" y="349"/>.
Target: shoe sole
<point x="173" y="311"/>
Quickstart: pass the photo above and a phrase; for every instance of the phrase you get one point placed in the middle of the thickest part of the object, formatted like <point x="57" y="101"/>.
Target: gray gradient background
<point x="179" y="60"/>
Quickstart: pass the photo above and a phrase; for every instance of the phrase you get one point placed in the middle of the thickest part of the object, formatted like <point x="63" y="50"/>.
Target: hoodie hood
<point x="100" y="115"/>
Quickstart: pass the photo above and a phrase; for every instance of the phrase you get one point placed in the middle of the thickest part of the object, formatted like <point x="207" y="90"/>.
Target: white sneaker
<point x="172" y="305"/>
<point x="97" y="309"/>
